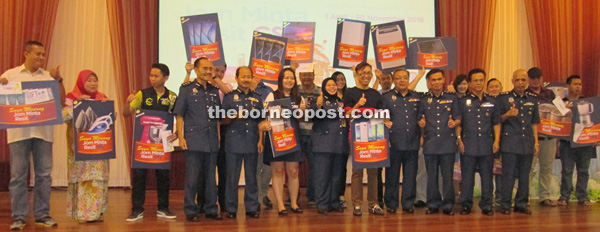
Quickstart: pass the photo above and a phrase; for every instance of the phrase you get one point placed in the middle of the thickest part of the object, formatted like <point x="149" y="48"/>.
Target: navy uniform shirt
<point x="200" y="131"/>
<point x="439" y="138"/>
<point x="478" y="119"/>
<point x="328" y="133"/>
<point x="404" y="111"/>
<point x="263" y="90"/>
<point x="517" y="131"/>
<point x="241" y="135"/>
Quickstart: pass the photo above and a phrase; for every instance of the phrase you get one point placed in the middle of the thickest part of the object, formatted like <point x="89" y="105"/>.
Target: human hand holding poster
<point x="26" y="104"/>
<point x="202" y="38"/>
<point x="390" y="46"/>
<point x="369" y="143"/>
<point x="282" y="134"/>
<point x="267" y="56"/>
<point x="586" y="122"/>
<point x="301" y="42"/>
<point x="93" y="130"/>
<point x="432" y="52"/>
<point x="148" y="147"/>
<point x="351" y="43"/>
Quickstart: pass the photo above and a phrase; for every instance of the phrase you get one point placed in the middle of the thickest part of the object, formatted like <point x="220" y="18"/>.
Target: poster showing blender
<point x="25" y="104"/>
<point x="283" y="136"/>
<point x="149" y="137"/>
<point x="555" y="117"/>
<point x="586" y="122"/>
<point x="301" y="42"/>
<point x="369" y="143"/>
<point x="93" y="130"/>
<point x="267" y="56"/>
<point x="389" y="44"/>
<point x="351" y="43"/>
<point x="202" y="38"/>
<point x="432" y="52"/>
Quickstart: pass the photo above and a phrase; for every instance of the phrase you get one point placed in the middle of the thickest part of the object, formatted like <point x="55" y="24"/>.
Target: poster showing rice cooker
<point x="555" y="117"/>
<point x="390" y="45"/>
<point x="202" y="38"/>
<point x="267" y="56"/>
<point x="351" y="43"/>
<point x="369" y="143"/>
<point x="586" y="122"/>
<point x="432" y="52"/>
<point x="32" y="103"/>
<point x="301" y="42"/>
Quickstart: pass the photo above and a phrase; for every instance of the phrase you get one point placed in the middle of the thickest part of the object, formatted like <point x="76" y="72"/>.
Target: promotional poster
<point x="202" y="38"/>
<point x="26" y="104"/>
<point x="301" y="42"/>
<point x="390" y="45"/>
<point x="93" y="130"/>
<point x="369" y="143"/>
<point x="282" y="134"/>
<point x="149" y="139"/>
<point x="351" y="43"/>
<point x="586" y="122"/>
<point x="555" y="118"/>
<point x="432" y="52"/>
<point x="267" y="56"/>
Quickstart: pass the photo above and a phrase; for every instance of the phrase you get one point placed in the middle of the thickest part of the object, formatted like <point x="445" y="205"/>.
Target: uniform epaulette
<point x="448" y="92"/>
<point x="387" y="92"/>
<point x="504" y="93"/>
<point x="531" y="94"/>
<point x="427" y="94"/>
<point x="257" y="93"/>
<point x="186" y="83"/>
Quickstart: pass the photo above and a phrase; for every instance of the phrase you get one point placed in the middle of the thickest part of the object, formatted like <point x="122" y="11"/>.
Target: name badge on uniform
<point x="194" y="91"/>
<point x="253" y="99"/>
<point x="511" y="99"/>
<point x="487" y="104"/>
<point x="414" y="100"/>
<point x="528" y="104"/>
<point x="468" y="102"/>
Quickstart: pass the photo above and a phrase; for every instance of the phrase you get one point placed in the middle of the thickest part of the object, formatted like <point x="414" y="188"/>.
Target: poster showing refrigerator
<point x="351" y="43"/>
<point x="301" y="42"/>
<point x="555" y="118"/>
<point x="283" y="136"/>
<point x="267" y="56"/>
<point x="369" y="143"/>
<point x="150" y="133"/>
<point x="93" y="130"/>
<point x="33" y="103"/>
<point x="432" y="52"/>
<point x="586" y="122"/>
<point x="390" y="46"/>
<point x="202" y="38"/>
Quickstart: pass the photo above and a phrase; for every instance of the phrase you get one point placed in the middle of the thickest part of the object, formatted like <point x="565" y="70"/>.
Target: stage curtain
<point x="21" y="21"/>
<point x="564" y="37"/>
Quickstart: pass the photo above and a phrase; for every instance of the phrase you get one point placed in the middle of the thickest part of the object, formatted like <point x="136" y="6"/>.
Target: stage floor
<point x="569" y="218"/>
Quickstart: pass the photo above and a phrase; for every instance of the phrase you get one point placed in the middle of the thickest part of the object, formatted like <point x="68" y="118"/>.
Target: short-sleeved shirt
<point x="404" y="109"/>
<point x="241" y="135"/>
<point x="193" y="104"/>
<point x="479" y="116"/>
<point x="517" y="131"/>
<point x="353" y="95"/>
<point x="439" y="138"/>
<point x="22" y="74"/>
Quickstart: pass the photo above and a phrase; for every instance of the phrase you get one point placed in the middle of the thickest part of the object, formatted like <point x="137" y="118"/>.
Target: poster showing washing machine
<point x="301" y="42"/>
<point x="151" y="145"/>
<point x="351" y="43"/>
<point x="267" y="56"/>
<point x="586" y="122"/>
<point x="27" y="104"/>
<point x="390" y="45"/>
<point x="432" y="52"/>
<point x="93" y="130"/>
<point x="202" y="38"/>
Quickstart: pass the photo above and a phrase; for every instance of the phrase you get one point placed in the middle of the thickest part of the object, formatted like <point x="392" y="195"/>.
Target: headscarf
<point x="79" y="88"/>
<point x="324" y="90"/>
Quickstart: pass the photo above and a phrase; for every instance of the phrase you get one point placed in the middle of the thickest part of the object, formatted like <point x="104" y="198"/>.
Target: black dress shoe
<point x="465" y="210"/>
<point x="297" y="210"/>
<point x="283" y="212"/>
<point x="524" y="210"/>
<point x="408" y="210"/>
<point x="268" y="204"/>
<point x="339" y="210"/>
<point x="253" y="214"/>
<point x="323" y="212"/>
<point x="231" y="215"/>
<point x="390" y="210"/>
<point x="420" y="204"/>
<point x="505" y="211"/>
<point x="488" y="212"/>
<point x="214" y="216"/>
<point x="432" y="211"/>
<point x="448" y="212"/>
<point x="192" y="218"/>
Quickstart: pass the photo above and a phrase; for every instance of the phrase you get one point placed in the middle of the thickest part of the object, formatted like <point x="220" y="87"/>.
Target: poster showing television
<point x="390" y="45"/>
<point x="93" y="130"/>
<point x="369" y="143"/>
<point x="150" y="133"/>
<point x="432" y="52"/>
<point x="202" y="38"/>
<point x="351" y="43"/>
<point x="282" y="134"/>
<point x="32" y="103"/>
<point x="301" y="42"/>
<point x="267" y="56"/>
<point x="554" y="122"/>
<point x="586" y="122"/>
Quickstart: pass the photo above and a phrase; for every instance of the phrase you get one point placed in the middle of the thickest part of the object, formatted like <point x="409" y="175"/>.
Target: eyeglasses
<point x="366" y="74"/>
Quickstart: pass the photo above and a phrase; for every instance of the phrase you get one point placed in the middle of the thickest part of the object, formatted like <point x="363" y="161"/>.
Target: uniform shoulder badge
<point x="531" y="94"/>
<point x="186" y="83"/>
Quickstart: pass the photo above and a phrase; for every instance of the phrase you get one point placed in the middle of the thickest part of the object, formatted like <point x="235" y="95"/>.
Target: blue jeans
<point x="195" y="163"/>
<point x="19" y="168"/>
<point x="234" y="167"/>
<point x="571" y="158"/>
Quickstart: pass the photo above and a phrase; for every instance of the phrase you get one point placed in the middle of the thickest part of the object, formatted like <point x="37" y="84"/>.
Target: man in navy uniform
<point x="478" y="139"/>
<point x="199" y="137"/>
<point x="405" y="134"/>
<point x="242" y="144"/>
<point x="518" y="141"/>
<point x="440" y="114"/>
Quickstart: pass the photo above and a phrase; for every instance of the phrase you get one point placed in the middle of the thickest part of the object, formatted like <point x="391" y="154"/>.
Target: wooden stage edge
<point x="567" y="218"/>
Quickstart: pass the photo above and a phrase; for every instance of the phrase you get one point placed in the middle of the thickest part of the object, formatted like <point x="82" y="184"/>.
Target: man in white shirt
<point x="35" y="140"/>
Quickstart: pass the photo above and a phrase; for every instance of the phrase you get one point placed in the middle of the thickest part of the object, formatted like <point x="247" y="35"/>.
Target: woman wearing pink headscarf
<point x="87" y="191"/>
